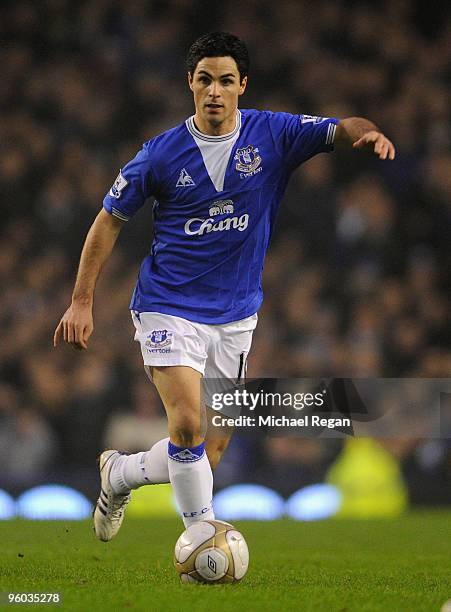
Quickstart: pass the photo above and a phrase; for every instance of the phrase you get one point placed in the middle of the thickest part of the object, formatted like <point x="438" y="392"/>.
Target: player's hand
<point x="383" y="147"/>
<point x="76" y="326"/>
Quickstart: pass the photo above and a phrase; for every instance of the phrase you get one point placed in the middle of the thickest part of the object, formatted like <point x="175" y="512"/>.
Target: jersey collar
<point x="195" y="132"/>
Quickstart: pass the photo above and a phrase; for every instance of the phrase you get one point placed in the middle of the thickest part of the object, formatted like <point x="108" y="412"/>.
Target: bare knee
<point x="186" y="430"/>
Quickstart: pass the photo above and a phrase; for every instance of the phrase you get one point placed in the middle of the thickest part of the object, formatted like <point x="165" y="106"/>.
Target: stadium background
<point x="356" y="279"/>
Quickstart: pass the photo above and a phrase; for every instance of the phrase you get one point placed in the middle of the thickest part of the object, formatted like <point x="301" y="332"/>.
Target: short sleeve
<point x="131" y="188"/>
<point x="300" y="137"/>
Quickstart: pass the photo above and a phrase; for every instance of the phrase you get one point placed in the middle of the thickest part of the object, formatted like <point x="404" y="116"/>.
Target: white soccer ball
<point x="211" y="552"/>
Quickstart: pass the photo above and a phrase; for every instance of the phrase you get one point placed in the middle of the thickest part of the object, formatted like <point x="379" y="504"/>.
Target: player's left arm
<point x="363" y="134"/>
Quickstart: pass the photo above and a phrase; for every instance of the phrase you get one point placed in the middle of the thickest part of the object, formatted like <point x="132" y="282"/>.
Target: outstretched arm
<point x="361" y="133"/>
<point x="76" y="325"/>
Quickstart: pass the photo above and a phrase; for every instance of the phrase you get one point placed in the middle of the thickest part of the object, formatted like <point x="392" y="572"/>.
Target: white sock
<point x="192" y="482"/>
<point x="134" y="471"/>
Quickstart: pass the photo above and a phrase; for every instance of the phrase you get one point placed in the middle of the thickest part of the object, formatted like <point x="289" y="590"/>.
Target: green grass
<point x="341" y="566"/>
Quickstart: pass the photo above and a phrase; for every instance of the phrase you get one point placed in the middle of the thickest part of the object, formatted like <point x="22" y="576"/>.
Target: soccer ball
<point x="211" y="552"/>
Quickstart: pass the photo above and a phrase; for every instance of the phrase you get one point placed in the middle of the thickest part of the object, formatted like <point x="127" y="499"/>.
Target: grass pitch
<point x="344" y="566"/>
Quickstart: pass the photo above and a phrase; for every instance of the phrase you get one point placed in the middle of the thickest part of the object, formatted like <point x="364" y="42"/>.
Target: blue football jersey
<point x="216" y="200"/>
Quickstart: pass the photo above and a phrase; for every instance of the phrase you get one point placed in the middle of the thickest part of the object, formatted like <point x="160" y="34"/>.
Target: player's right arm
<point x="76" y="325"/>
<point x="126" y="196"/>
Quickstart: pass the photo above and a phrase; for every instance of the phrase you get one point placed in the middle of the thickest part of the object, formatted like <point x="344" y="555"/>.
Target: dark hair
<point x="219" y="44"/>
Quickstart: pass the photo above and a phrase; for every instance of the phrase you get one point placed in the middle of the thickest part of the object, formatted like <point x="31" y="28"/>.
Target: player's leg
<point x="121" y="472"/>
<point x="176" y="343"/>
<point x="131" y="471"/>
<point x="165" y="341"/>
<point x="226" y="357"/>
<point x="174" y="355"/>
<point x="189" y="469"/>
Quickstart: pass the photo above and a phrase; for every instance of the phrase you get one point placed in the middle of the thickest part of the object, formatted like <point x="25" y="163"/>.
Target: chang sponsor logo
<point x="221" y="207"/>
<point x="198" y="226"/>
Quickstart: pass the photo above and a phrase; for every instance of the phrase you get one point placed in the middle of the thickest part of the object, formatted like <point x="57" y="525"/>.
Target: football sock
<point x="192" y="482"/>
<point x="134" y="471"/>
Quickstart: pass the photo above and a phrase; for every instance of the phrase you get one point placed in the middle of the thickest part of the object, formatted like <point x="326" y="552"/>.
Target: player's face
<point x="216" y="87"/>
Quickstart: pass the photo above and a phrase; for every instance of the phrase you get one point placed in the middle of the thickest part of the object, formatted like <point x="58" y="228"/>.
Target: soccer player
<point x="217" y="179"/>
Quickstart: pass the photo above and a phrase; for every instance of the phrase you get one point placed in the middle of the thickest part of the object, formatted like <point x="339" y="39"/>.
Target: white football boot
<point x="110" y="508"/>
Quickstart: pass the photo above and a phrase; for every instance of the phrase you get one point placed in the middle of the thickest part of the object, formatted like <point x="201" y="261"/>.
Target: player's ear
<point x="190" y="81"/>
<point x="243" y="86"/>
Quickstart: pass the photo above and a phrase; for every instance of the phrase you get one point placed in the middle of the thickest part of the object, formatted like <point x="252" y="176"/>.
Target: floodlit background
<point x="356" y="278"/>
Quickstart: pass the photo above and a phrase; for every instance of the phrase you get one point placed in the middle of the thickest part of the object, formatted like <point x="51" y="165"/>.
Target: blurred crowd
<point x="357" y="277"/>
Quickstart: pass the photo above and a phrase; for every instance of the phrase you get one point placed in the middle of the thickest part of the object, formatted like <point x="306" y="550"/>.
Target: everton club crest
<point x="247" y="159"/>
<point x="158" y="339"/>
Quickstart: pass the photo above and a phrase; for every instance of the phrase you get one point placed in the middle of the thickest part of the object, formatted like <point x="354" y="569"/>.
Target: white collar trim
<point x="198" y="134"/>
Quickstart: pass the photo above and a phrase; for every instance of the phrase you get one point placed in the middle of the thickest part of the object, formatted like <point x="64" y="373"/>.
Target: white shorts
<point x="216" y="351"/>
